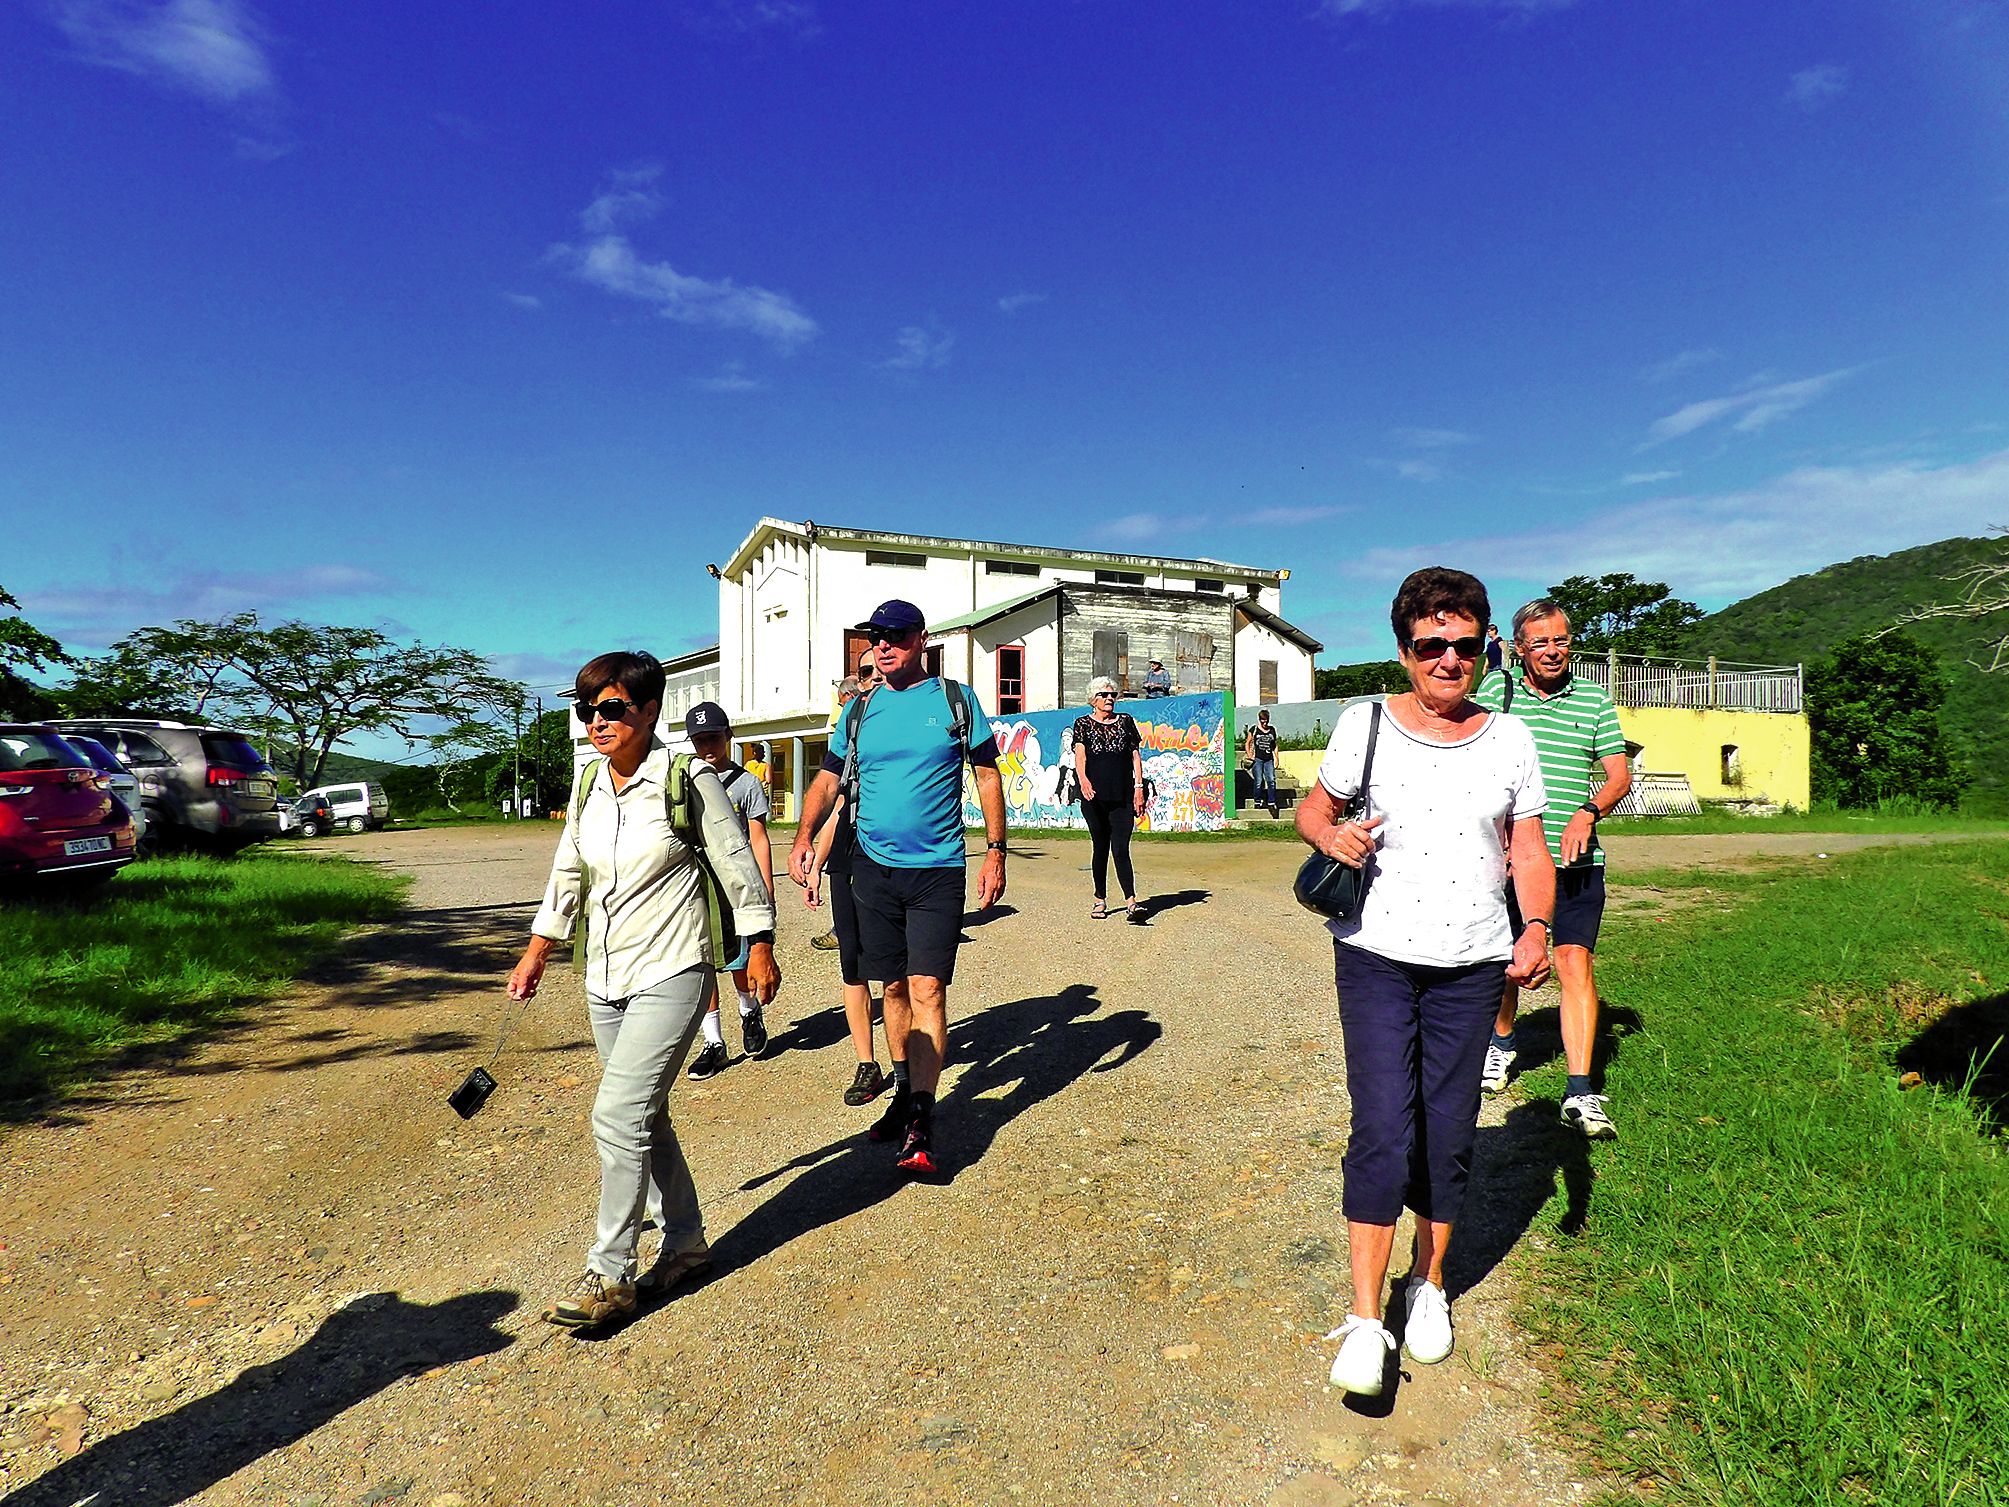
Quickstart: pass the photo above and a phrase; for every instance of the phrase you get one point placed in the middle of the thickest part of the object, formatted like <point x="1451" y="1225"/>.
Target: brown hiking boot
<point x="673" y="1267"/>
<point x="825" y="943"/>
<point x="591" y="1301"/>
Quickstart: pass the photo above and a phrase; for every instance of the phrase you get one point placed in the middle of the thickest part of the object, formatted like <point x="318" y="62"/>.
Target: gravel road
<point x="278" y="1270"/>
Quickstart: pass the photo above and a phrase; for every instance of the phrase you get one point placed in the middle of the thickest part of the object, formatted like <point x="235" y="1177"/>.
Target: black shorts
<point x="844" y="920"/>
<point x="1579" y="906"/>
<point x="910" y="921"/>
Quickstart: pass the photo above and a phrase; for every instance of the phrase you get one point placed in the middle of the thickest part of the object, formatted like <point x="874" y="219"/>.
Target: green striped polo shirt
<point x="1575" y="730"/>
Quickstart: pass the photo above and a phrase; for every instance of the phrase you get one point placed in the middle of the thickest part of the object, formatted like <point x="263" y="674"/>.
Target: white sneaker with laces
<point x="1362" y="1362"/>
<point x="1499" y="1063"/>
<point x="1426" y="1334"/>
<point x="1587" y="1113"/>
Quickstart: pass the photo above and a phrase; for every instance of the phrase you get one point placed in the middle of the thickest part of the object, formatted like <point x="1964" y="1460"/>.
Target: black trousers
<point x="1109" y="824"/>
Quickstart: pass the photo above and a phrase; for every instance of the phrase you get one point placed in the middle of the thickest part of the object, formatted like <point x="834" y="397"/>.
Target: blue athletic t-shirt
<point x="910" y="774"/>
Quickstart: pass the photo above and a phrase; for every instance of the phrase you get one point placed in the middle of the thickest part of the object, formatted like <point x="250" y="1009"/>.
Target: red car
<point x="58" y="815"/>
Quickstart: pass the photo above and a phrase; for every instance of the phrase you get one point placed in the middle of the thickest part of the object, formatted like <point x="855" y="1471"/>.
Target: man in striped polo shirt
<point x="1577" y="735"/>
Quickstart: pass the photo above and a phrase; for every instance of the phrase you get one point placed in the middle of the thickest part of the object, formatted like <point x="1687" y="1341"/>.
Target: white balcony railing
<point x="1697" y="684"/>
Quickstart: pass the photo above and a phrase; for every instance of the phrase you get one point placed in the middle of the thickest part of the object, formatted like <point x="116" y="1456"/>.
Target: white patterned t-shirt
<point x="1436" y="889"/>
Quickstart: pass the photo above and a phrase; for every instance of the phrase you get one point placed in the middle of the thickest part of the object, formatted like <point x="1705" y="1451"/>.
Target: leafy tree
<point x="1873" y="710"/>
<point x="1621" y="612"/>
<point x="23" y="646"/>
<point x="302" y="687"/>
<point x="1375" y="678"/>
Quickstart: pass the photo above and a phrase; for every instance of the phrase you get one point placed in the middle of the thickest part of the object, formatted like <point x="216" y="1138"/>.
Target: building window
<point x="1011" y="680"/>
<point x="892" y="557"/>
<point x="1119" y="577"/>
<point x="1266" y="682"/>
<point x="1010" y="568"/>
<point x="1733" y="765"/>
<point x="931" y="659"/>
<point x="1208" y="583"/>
<point x="1110" y="655"/>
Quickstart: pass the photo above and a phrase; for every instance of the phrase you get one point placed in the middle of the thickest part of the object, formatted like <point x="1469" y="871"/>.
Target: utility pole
<point x="516" y="721"/>
<point x="537" y="751"/>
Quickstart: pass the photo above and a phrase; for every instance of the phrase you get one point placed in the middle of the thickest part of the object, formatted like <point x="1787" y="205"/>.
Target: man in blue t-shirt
<point x="907" y="869"/>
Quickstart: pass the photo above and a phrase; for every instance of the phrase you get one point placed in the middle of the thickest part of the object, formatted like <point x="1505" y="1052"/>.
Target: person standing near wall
<point x="1109" y="765"/>
<point x="1260" y="748"/>
<point x="907" y="873"/>
<point x="1577" y="734"/>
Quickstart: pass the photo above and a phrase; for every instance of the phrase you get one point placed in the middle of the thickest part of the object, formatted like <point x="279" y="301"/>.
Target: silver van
<point x="358" y="807"/>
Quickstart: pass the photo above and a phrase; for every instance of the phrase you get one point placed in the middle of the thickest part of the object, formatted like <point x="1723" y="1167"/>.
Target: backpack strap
<point x="1507" y="696"/>
<point x="582" y="787"/>
<point x="854" y="720"/>
<point x="681" y="806"/>
<point x="960" y="716"/>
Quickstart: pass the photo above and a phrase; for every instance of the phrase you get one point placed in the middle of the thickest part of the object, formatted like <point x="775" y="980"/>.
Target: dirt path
<point x="281" y="1271"/>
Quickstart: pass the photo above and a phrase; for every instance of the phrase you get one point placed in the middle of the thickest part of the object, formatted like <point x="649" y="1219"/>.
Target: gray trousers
<point x="642" y="1042"/>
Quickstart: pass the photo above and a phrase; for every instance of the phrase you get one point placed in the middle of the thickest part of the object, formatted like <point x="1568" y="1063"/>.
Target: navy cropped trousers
<point x="1415" y="1040"/>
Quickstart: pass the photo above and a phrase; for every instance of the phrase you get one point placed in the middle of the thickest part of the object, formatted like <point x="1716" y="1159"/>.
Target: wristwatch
<point x="1592" y="808"/>
<point x="996" y="847"/>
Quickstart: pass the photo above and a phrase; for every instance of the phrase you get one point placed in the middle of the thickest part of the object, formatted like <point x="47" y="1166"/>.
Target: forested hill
<point x="1799" y="620"/>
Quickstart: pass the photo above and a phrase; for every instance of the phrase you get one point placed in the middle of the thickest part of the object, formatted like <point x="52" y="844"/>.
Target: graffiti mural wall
<point x="1184" y="759"/>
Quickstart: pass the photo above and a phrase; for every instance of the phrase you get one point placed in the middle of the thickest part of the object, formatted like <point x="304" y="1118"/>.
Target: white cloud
<point x="1011" y="303"/>
<point x="525" y="300"/>
<point x="1289" y="517"/>
<point x="1645" y="478"/>
<point x="730" y="378"/>
<point x="1432" y="439"/>
<point x="1813" y="87"/>
<point x="1340" y="9"/>
<point x="1418" y="470"/>
<point x="1143" y="528"/>
<point x="1730" y="544"/>
<point x="216" y="50"/>
<point x="793" y="18"/>
<point x="1747" y="411"/>
<point x="629" y="198"/>
<point x="93" y="616"/>
<point x="1679" y="364"/>
<point x="920" y="348"/>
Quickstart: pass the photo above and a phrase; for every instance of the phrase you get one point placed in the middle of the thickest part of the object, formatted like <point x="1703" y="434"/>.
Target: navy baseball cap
<point x="896" y="615"/>
<point x="707" y="717"/>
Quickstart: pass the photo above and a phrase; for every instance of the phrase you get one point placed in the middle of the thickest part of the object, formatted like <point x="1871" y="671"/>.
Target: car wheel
<point x="310" y="828"/>
<point x="355" y="824"/>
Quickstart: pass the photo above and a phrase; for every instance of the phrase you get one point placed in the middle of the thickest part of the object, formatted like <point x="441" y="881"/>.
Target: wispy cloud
<point x="607" y="260"/>
<point x="1646" y="478"/>
<point x="730" y="378"/>
<point x="1011" y="303"/>
<point x="795" y="19"/>
<point x="1813" y="87"/>
<point x="93" y="616"/>
<point x="1290" y="517"/>
<point x="920" y="348"/>
<point x="1143" y="528"/>
<point x="1679" y="364"/>
<point x="1730" y="544"/>
<point x="1340" y="9"/>
<point x="1432" y="439"/>
<point x="525" y="300"/>
<point x="216" y="50"/>
<point x="1748" y="411"/>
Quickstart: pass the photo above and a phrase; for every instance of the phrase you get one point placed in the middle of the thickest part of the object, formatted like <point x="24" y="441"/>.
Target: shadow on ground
<point x="1967" y="1048"/>
<point x="1018" y="1055"/>
<point x="375" y="1341"/>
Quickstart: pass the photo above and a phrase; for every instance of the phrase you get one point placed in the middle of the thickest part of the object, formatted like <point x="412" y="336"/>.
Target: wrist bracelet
<point x="996" y="847"/>
<point x="1542" y="923"/>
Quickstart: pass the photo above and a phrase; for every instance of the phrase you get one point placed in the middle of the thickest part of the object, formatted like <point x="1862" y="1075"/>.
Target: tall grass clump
<point x="1792" y="1283"/>
<point x="168" y="947"/>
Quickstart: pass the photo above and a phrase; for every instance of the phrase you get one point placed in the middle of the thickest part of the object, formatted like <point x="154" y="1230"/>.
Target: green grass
<point x="1821" y="819"/>
<point x="169" y="947"/>
<point x="1792" y="1281"/>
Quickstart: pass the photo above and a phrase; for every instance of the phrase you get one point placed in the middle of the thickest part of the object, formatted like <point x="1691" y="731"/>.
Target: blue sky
<point x="494" y="325"/>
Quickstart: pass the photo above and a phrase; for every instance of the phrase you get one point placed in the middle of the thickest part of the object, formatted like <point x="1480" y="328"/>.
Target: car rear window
<point x="142" y="750"/>
<point x="95" y="754"/>
<point x="20" y="751"/>
<point x="230" y="749"/>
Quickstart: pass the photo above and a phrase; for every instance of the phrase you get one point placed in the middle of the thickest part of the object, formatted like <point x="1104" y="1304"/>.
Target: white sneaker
<point x="1499" y="1062"/>
<point x="1362" y="1362"/>
<point x="1587" y="1113"/>
<point x="1426" y="1335"/>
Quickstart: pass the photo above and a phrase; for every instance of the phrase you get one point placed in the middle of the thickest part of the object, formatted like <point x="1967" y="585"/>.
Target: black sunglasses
<point x="1468" y="647"/>
<point x="897" y="637"/>
<point x="613" y="709"/>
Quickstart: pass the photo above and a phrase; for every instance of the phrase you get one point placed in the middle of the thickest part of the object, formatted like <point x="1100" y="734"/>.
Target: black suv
<point x="203" y="786"/>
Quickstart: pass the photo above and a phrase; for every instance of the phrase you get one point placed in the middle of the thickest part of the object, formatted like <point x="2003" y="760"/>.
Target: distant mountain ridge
<point x="1800" y="620"/>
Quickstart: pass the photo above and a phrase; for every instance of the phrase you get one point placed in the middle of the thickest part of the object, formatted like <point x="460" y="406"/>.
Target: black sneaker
<point x="753" y="1032"/>
<point x="917" y="1151"/>
<point x="710" y="1061"/>
<point x="868" y="1085"/>
<point x="892" y="1125"/>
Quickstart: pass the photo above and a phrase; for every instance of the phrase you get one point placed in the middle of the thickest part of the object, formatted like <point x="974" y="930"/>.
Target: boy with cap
<point x="711" y="736"/>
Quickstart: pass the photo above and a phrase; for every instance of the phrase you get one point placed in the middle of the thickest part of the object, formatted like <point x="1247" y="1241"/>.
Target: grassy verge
<point x="1792" y="1281"/>
<point x="170" y="946"/>
<point x="1713" y="822"/>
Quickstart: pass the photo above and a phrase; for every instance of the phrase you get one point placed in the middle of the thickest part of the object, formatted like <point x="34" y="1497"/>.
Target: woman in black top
<point x="1111" y="771"/>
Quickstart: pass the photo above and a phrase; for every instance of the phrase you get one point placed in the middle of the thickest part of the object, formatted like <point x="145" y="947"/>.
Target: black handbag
<point x="1325" y="885"/>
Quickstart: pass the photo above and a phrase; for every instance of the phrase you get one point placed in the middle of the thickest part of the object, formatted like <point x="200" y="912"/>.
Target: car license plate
<point x="259" y="787"/>
<point x="78" y="845"/>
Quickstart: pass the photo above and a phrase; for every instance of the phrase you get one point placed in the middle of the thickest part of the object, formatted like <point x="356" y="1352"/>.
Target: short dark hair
<point x="639" y="675"/>
<point x="1435" y="589"/>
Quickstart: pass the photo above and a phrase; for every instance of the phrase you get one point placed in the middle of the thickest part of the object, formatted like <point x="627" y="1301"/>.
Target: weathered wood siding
<point x="1192" y="633"/>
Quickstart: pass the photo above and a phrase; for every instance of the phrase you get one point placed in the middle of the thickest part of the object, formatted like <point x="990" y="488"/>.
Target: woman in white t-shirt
<point x="1453" y="800"/>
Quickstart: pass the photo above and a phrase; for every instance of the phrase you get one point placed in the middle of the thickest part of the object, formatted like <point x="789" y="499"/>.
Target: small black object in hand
<point x="472" y="1093"/>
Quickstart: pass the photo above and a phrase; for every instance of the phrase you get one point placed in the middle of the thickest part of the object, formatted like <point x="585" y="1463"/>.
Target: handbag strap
<point x="1367" y="764"/>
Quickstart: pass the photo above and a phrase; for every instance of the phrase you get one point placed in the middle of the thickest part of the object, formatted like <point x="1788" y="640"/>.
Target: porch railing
<point x="1695" y="684"/>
